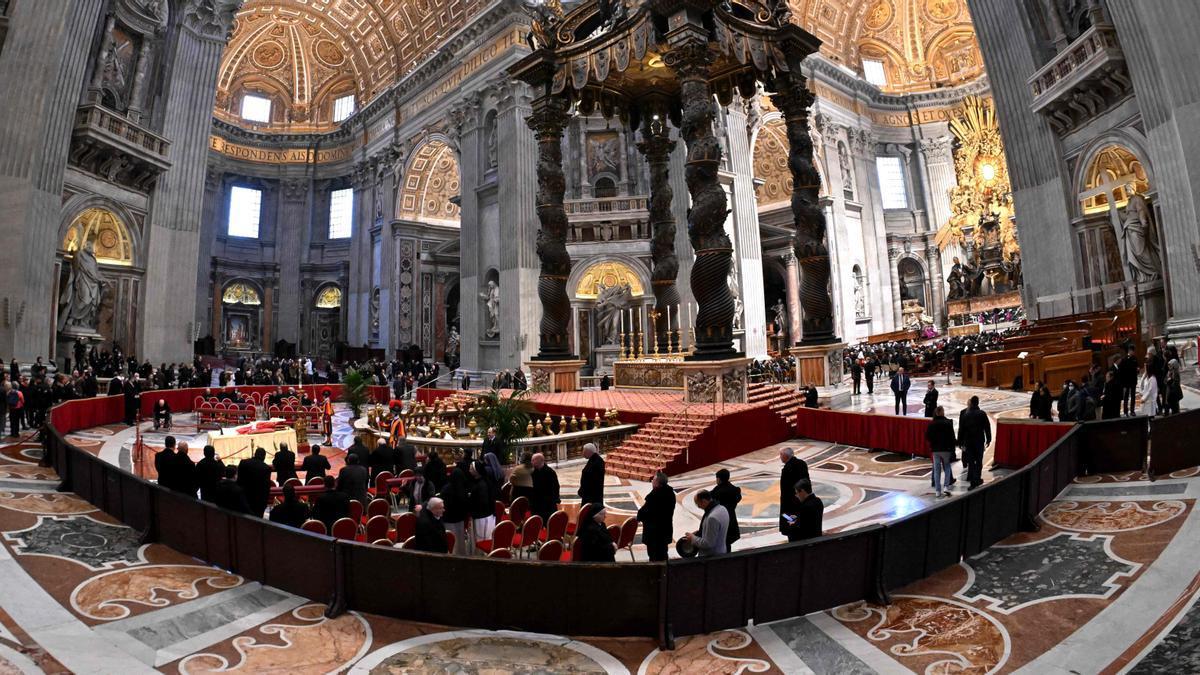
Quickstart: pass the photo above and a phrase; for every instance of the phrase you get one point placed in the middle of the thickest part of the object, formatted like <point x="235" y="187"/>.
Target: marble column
<point x="746" y="230"/>
<point x="794" y="100"/>
<point x="293" y="208"/>
<point x="548" y="119"/>
<point x="520" y="311"/>
<point x="681" y="204"/>
<point x="357" y="297"/>
<point x="791" y="282"/>
<point x="657" y="145"/>
<point x="690" y="58"/>
<point x="42" y="65"/>
<point x="465" y="132"/>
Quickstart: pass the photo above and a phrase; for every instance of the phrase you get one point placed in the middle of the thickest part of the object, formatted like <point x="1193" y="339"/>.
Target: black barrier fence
<point x="1112" y="446"/>
<point x="1174" y="444"/>
<point x="682" y="597"/>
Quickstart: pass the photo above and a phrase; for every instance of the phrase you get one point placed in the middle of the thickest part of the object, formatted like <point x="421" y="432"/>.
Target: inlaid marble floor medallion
<point x="81" y="539"/>
<point x="483" y="652"/>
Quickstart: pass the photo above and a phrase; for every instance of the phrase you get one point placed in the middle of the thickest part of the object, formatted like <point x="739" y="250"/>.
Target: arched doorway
<point x="326" y="321"/>
<point x="609" y="298"/>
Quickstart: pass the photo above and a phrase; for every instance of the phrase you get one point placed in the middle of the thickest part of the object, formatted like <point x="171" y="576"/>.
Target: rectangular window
<point x="343" y="107"/>
<point x="256" y="109"/>
<point x="245" y="205"/>
<point x="341" y="213"/>
<point x="874" y="72"/>
<point x="891" y="182"/>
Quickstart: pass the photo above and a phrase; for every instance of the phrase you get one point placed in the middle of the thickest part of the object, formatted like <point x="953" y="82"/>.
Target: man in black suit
<point x="1127" y="376"/>
<point x="591" y="480"/>
<point x="132" y="391"/>
<point x="493" y="445"/>
<point x="315" y="465"/>
<point x="811" y="396"/>
<point x="383" y="458"/>
<point x="869" y="371"/>
<point x="974" y="433"/>
<point x="183" y="471"/>
<point x="545" y="489"/>
<point x="228" y="494"/>
<point x="209" y="472"/>
<point x="657" y="516"/>
<point x="900" y="386"/>
<point x="353" y="480"/>
<point x="357" y="449"/>
<point x="331" y="506"/>
<point x="728" y="495"/>
<point x="804" y="522"/>
<point x="291" y="511"/>
<point x="1110" y="401"/>
<point x="431" y="531"/>
<point x="164" y="463"/>
<point x="284" y="463"/>
<point x="856" y="376"/>
<point x="406" y="456"/>
<point x="254" y="475"/>
<point x="794" y="469"/>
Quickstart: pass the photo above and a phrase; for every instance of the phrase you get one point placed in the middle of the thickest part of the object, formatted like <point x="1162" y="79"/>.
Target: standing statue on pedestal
<point x="610" y="302"/>
<point x="491" y="298"/>
<point x="1141" y="241"/>
<point x="781" y="318"/>
<point x="79" y="301"/>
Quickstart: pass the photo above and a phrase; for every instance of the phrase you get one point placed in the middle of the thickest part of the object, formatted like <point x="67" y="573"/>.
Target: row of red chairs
<point x="517" y="529"/>
<point x="226" y="413"/>
<point x="290" y="413"/>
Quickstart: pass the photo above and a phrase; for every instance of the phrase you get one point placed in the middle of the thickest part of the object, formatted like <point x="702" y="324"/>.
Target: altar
<point x="648" y="374"/>
<point x="233" y="443"/>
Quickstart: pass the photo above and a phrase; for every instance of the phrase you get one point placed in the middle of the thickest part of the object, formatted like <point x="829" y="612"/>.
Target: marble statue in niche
<point x="611" y="301"/>
<point x="860" y="297"/>
<point x="374" y="311"/>
<point x="1141" y="241"/>
<point x="847" y="170"/>
<point x="452" y="343"/>
<point x="491" y="301"/>
<point x="781" y="317"/>
<point x="489" y="136"/>
<point x="736" y="290"/>
<point x="79" y="301"/>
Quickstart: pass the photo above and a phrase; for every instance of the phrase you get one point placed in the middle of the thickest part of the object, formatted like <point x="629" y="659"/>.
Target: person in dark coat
<point x="315" y="465"/>
<point x="132" y="391"/>
<point x="728" y="495"/>
<point x="940" y="436"/>
<point x="228" y="494"/>
<point x="383" y="458"/>
<point x="1110" y="400"/>
<point x="406" y="457"/>
<point x="284" y="463"/>
<point x="974" y="433"/>
<point x="1127" y="376"/>
<point x="435" y="470"/>
<point x="183" y="471"/>
<point x="493" y="444"/>
<point x="164" y="463"/>
<point x="431" y="531"/>
<point x="546" y="497"/>
<point x="162" y="415"/>
<point x="900" y="386"/>
<point x="254" y="475"/>
<point x="804" y="521"/>
<point x="811" y="396"/>
<point x="596" y="544"/>
<point x="291" y="512"/>
<point x="209" y="472"/>
<point x="605" y="383"/>
<point x="457" y="502"/>
<point x="656" y="516"/>
<point x="869" y="371"/>
<point x="360" y="451"/>
<point x="856" y="377"/>
<point x="793" y="470"/>
<point x="591" y="480"/>
<point x="931" y="399"/>
<point x="331" y="505"/>
<point x="1046" y="411"/>
<point x="1064" y="402"/>
<point x="353" y="480"/>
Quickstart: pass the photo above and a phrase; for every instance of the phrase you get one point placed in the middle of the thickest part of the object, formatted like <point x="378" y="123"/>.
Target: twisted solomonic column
<point x="794" y="100"/>
<point x="657" y="145"/>
<point x="706" y="220"/>
<point x="548" y="120"/>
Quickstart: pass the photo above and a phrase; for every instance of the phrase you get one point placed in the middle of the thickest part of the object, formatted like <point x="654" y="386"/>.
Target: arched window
<point x="239" y="293"/>
<point x="605" y="187"/>
<point x="329" y="297"/>
<point x="104" y="231"/>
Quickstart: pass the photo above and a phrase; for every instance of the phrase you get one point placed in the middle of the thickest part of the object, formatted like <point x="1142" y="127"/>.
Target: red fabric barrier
<point x="86" y="413"/>
<point x="731" y="435"/>
<point x="865" y="430"/>
<point x="1020" y="442"/>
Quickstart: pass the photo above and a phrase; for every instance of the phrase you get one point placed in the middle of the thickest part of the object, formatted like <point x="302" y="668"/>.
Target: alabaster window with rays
<point x="874" y="72"/>
<point x="341" y="213"/>
<point x="891" y="182"/>
<point x="245" y="206"/>
<point x="256" y="109"/>
<point x="343" y="107"/>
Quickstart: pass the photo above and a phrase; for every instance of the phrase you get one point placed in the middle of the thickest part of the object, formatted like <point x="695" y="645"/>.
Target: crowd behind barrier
<point x="680" y="597"/>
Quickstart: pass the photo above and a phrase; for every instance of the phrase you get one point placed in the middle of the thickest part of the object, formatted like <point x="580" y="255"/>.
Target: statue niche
<point x="610" y="302"/>
<point x="1141" y="241"/>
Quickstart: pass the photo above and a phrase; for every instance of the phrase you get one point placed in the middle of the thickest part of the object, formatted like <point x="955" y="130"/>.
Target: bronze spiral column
<point x="794" y="100"/>
<point x="706" y="219"/>
<point x="548" y="120"/>
<point x="657" y="145"/>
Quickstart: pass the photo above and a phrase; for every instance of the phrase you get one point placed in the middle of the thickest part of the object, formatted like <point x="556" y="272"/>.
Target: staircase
<point x="655" y="445"/>
<point x="783" y="400"/>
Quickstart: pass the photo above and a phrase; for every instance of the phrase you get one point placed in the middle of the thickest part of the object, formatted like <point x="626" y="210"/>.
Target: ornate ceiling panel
<point x="430" y="183"/>
<point x="922" y="43"/>
<point x="302" y="51"/>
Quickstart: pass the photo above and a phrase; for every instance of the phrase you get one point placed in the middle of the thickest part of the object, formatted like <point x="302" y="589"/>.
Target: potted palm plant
<point x="354" y="390"/>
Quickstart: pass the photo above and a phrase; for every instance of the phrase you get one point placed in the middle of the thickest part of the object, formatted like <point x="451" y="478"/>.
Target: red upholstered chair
<point x="356" y="510"/>
<point x="550" y="551"/>
<point x="531" y="534"/>
<point x="378" y="507"/>
<point x="383" y="542"/>
<point x="628" y="533"/>
<point x="294" y="482"/>
<point x="450" y="541"/>
<point x="314" y="526"/>
<point x="377" y="528"/>
<point x="345" y="528"/>
<point x="501" y="512"/>
<point x="585" y="512"/>
<point x="502" y="537"/>
<point x="406" y="526"/>
<point x="500" y="553"/>
<point x="506" y="493"/>
<point x="407" y="473"/>
<point x="518" y="511"/>
<point x="199" y="401"/>
<point x="382" y="491"/>
<point x="314" y="480"/>
<point x="408" y="543"/>
<point x="273" y="411"/>
<point x="614" y="532"/>
<point x="556" y="526"/>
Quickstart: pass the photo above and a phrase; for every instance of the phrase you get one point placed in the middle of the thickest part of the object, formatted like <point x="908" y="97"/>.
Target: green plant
<point x="510" y="416"/>
<point x="354" y="391"/>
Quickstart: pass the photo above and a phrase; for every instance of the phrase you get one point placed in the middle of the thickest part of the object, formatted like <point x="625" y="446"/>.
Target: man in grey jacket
<point x="710" y="540"/>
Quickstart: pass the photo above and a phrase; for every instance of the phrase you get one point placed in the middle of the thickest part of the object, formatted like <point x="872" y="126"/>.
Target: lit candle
<point x="668" y="320"/>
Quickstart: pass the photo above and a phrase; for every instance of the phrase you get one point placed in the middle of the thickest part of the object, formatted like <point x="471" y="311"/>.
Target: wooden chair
<point x="345" y="528"/>
<point x="378" y="507"/>
<point x="377" y="528"/>
<point x="500" y="553"/>
<point x="556" y="526"/>
<point x="531" y="533"/>
<point x="406" y="526"/>
<point x="550" y="551"/>
<point x="502" y="538"/>
<point x="314" y="526"/>
<point x="628" y="533"/>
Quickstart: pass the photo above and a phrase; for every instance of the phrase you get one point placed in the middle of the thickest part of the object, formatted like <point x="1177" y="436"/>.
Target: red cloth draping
<point x="1020" y="442"/>
<point x="86" y="413"/>
<point x="865" y="430"/>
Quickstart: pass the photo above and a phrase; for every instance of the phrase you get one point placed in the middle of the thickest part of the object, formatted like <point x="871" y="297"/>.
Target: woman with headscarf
<point x="435" y="469"/>
<point x="482" y="502"/>
<point x="596" y="544"/>
<point x="457" y="500"/>
<point x="494" y="471"/>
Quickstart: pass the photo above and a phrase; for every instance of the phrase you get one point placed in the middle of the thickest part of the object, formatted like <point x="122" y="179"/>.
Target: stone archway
<point x="431" y="185"/>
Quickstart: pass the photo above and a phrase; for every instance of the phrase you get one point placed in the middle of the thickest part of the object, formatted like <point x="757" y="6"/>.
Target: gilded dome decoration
<point x="329" y="297"/>
<point x="105" y="232"/>
<point x="240" y="294"/>
<point x="922" y="44"/>
<point x="608" y="274"/>
<point x="431" y="184"/>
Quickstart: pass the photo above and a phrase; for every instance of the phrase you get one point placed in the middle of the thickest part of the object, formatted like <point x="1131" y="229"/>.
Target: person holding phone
<point x="805" y="520"/>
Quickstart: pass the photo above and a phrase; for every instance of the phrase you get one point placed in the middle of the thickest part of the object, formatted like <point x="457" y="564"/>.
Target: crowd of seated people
<point x="921" y="357"/>
<point x="777" y="370"/>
